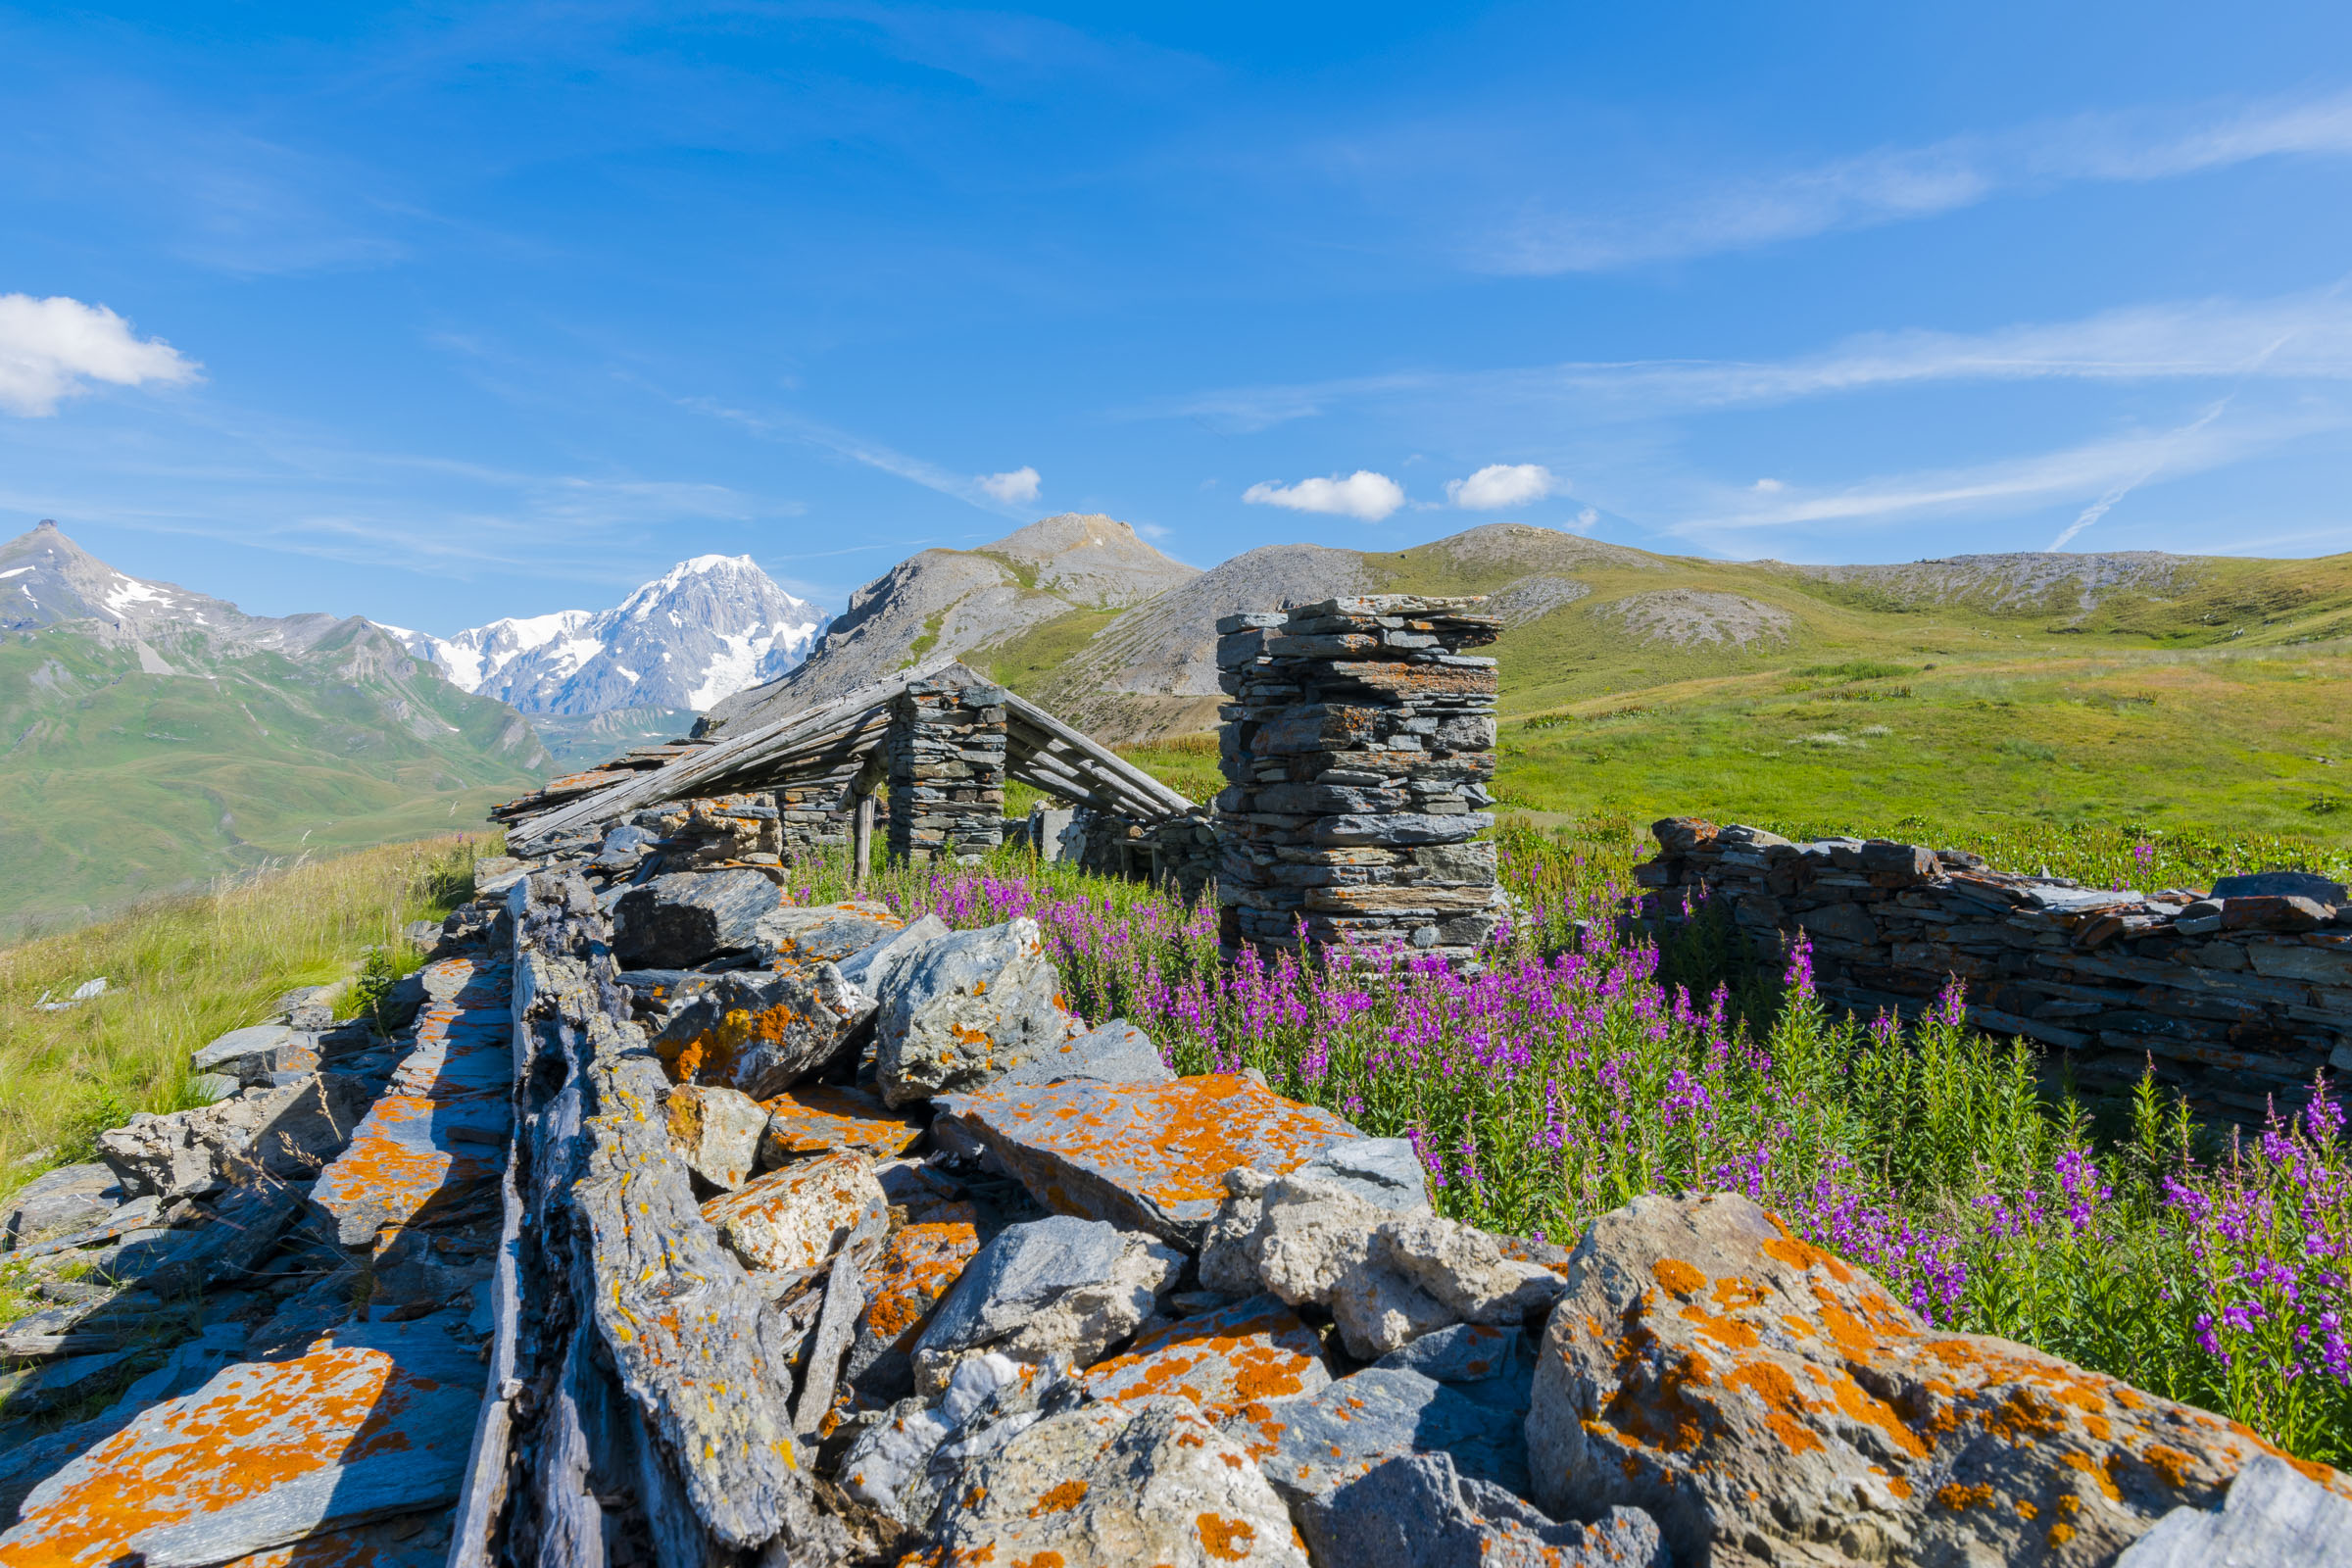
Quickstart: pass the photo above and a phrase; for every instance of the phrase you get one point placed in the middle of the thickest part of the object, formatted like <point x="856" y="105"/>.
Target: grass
<point x="183" y="971"/>
<point x="1565" y="1083"/>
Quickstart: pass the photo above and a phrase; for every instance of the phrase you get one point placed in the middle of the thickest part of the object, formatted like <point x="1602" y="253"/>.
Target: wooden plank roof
<point x="825" y="742"/>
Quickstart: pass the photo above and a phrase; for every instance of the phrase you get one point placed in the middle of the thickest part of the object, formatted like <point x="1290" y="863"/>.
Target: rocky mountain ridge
<point x="1582" y="616"/>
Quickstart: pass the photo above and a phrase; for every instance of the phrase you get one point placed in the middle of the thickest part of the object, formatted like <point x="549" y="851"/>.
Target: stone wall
<point x="947" y="772"/>
<point x="1356" y="749"/>
<point x="2236" y="999"/>
<point x="810" y="815"/>
<point x="1179" y="853"/>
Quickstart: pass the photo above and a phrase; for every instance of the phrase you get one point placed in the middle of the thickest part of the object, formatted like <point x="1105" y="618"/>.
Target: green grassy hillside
<point x="117" y="783"/>
<point x="2209" y="700"/>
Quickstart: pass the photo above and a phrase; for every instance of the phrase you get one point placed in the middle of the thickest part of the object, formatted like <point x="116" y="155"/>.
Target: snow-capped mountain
<point x="706" y="630"/>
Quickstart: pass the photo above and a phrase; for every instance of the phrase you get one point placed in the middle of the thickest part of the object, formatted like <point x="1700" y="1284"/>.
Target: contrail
<point x="2098" y="509"/>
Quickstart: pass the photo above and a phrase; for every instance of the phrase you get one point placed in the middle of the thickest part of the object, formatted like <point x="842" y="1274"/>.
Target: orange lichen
<point x="1678" y="1276"/>
<point x="1784" y="1407"/>
<point x="1955" y="1495"/>
<point x="2171" y="1465"/>
<point x="1226" y="1540"/>
<point x="1059" y="1499"/>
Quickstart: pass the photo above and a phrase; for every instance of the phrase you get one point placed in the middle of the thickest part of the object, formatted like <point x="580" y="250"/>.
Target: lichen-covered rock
<point x="1114" y="1486"/>
<point x="874" y="967"/>
<point x="265" y="1453"/>
<point x="1765" y="1400"/>
<point x="795" y="937"/>
<point x="1149" y="1157"/>
<point x="1052" y="1293"/>
<point x="2274" y="1516"/>
<point x="760" y="1032"/>
<point x="1311" y="1446"/>
<point x="1249" y="1353"/>
<point x="290" y="1132"/>
<point x="685" y="917"/>
<point x="819" y="1118"/>
<point x="1418" y="1511"/>
<point x="918" y="1266"/>
<point x="968" y="1007"/>
<point x="716" y="1132"/>
<point x="800" y="1216"/>
<point x="898" y="1464"/>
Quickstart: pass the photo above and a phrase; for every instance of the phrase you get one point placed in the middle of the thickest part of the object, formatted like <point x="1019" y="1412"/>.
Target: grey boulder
<point x="1053" y="1293"/>
<point x="794" y="936"/>
<point x="874" y="967"/>
<point x="1382" y="1171"/>
<point x="680" y="920"/>
<point x="252" y="1055"/>
<point x="967" y="1009"/>
<point x="1110" y="1486"/>
<point x="287" y="1132"/>
<point x="1327" y="1439"/>
<point x="2272" y="1517"/>
<point x="1419" y="1512"/>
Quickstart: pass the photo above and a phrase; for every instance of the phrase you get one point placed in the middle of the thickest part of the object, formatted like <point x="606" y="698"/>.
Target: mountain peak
<point x="701" y="631"/>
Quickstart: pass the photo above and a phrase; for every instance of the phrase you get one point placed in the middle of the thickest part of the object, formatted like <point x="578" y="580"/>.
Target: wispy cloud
<point x="973" y="490"/>
<point x="2105" y="468"/>
<point x="1892" y="184"/>
<point x="2296" y="336"/>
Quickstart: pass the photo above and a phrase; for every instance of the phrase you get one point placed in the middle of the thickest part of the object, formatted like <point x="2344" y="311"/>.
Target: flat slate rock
<point x="795" y="935"/>
<point x="2280" y="884"/>
<point x="1417" y="1511"/>
<point x="1145" y="1156"/>
<point x="58" y="1202"/>
<point x="820" y="1119"/>
<point x="1229" y="1364"/>
<point x="678" y="920"/>
<point x="435" y="1141"/>
<point x="800" y="1216"/>
<point x="1311" y="1447"/>
<point x="1117" y="1053"/>
<point x="377" y="1420"/>
<point x="918" y="1266"/>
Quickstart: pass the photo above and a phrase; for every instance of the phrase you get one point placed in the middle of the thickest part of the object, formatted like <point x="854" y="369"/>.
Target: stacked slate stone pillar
<point x="1357" y="751"/>
<point x="947" y="772"/>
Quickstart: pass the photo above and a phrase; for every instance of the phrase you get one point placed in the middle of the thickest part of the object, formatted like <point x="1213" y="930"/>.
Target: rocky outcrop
<point x="1767" y="1401"/>
<point x="966" y="1007"/>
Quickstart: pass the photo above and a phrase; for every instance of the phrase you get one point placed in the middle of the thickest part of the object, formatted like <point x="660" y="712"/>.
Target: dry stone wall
<point x="947" y="750"/>
<point x="2237" y="998"/>
<point x="1357" y="751"/>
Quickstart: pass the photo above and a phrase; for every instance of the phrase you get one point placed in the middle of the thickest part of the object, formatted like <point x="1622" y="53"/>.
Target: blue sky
<point x="442" y="314"/>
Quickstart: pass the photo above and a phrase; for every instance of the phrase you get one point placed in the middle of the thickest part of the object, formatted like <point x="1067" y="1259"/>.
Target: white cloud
<point x="1021" y="484"/>
<point x="1363" y="495"/>
<point x="1586" y="517"/>
<point x="1891" y="184"/>
<point x="1768" y="487"/>
<point x="1502" y="485"/>
<point x="52" y="349"/>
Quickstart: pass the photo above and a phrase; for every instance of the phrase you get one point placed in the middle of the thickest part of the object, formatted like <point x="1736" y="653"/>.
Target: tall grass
<point x="180" y="972"/>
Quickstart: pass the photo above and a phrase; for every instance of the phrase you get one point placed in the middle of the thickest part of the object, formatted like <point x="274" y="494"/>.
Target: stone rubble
<point x="2239" y="997"/>
<point x="1356" y="750"/>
